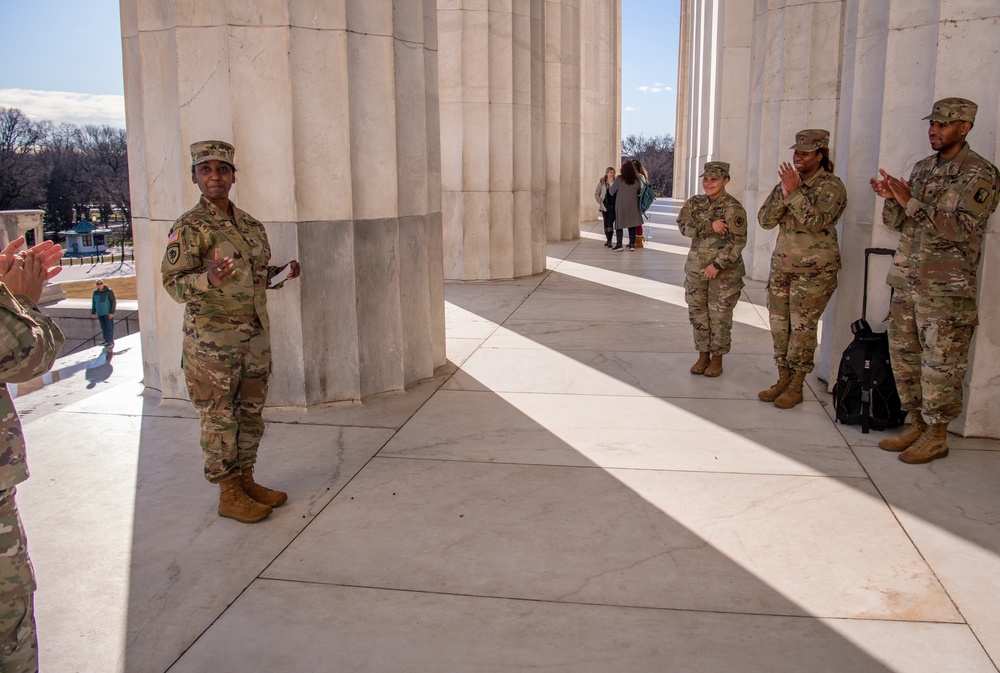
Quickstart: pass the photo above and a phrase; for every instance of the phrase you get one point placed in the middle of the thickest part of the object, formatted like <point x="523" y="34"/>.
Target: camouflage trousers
<point x="710" y="309"/>
<point x="929" y="341"/>
<point x="18" y="642"/>
<point x="227" y="364"/>
<point x="795" y="302"/>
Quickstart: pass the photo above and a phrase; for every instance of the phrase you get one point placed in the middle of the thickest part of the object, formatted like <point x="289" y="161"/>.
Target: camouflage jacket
<point x="807" y="239"/>
<point x="190" y="248"/>
<point x="942" y="225"/>
<point x="726" y="250"/>
<point x="31" y="342"/>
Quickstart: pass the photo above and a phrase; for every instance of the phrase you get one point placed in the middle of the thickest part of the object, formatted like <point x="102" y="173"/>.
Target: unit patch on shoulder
<point x="173" y="252"/>
<point x="981" y="195"/>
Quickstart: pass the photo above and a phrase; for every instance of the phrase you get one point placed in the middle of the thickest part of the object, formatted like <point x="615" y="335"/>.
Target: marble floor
<point x="562" y="496"/>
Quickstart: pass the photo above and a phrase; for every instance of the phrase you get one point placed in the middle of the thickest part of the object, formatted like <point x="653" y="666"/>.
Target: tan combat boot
<point x="932" y="444"/>
<point x="771" y="394"/>
<point x="793" y="393"/>
<point x="261" y="494"/>
<point x="234" y="503"/>
<point x="715" y="366"/>
<point x="701" y="365"/>
<point x="904" y="439"/>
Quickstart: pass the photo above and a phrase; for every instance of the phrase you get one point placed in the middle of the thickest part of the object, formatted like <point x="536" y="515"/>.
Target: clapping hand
<point x="790" y="178"/>
<point x="891" y="188"/>
<point x="25" y="272"/>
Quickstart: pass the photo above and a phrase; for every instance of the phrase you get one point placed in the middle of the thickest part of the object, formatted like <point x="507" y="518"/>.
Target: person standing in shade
<point x="716" y="223"/>
<point x="217" y="264"/>
<point x="31" y="341"/>
<point x="805" y="206"/>
<point x="606" y="202"/>
<point x="625" y="189"/>
<point x="941" y="213"/>
<point x="103" y="306"/>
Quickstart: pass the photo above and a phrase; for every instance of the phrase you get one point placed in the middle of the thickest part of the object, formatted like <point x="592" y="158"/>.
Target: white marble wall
<point x="492" y="104"/>
<point x="867" y="70"/>
<point x="332" y="107"/>
<point x="600" y="85"/>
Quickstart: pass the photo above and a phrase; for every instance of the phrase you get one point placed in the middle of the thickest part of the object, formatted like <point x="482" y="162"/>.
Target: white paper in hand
<point x="281" y="275"/>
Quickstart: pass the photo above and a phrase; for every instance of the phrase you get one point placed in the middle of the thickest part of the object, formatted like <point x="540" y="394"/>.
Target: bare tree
<point x="657" y="156"/>
<point x="106" y="151"/>
<point x="22" y="172"/>
<point x="69" y="191"/>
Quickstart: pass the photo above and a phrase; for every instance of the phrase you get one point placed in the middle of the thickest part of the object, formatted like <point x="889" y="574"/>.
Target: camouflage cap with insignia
<point x="716" y="169"/>
<point x="208" y="150"/>
<point x="953" y="110"/>
<point x="811" y="140"/>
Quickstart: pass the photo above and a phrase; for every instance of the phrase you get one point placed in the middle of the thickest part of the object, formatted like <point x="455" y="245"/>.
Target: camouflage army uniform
<point x="226" y="355"/>
<point x="711" y="302"/>
<point x="933" y="276"/>
<point x="31" y="342"/>
<point x="804" y="264"/>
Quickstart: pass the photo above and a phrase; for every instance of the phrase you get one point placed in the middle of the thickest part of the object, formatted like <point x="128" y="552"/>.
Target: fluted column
<point x="333" y="110"/>
<point x="494" y="224"/>
<point x="714" y="80"/>
<point x="794" y="84"/>
<point x="562" y="119"/>
<point x="600" y="89"/>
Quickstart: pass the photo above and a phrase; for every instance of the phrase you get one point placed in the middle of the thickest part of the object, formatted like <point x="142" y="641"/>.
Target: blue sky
<point x="62" y="61"/>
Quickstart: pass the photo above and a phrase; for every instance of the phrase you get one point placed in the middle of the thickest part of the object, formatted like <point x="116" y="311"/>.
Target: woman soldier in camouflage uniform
<point x="716" y="223"/>
<point x="805" y="205"/>
<point x="217" y="263"/>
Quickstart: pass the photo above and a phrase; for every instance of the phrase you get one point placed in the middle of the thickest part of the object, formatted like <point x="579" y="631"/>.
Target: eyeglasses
<point x="100" y="284"/>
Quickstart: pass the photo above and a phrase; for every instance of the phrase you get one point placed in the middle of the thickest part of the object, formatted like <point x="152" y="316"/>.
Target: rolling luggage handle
<point x="862" y="326"/>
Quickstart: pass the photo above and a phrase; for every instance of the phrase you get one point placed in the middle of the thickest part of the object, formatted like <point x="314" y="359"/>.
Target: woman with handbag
<point x="606" y="202"/>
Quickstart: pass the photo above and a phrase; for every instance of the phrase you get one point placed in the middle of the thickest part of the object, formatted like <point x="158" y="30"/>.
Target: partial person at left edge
<point x="29" y="344"/>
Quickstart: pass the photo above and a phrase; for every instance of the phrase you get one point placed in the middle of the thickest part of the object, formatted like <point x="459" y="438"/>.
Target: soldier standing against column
<point x="716" y="223"/>
<point x="941" y="213"/>
<point x="805" y="205"/>
<point x="29" y="345"/>
<point x="216" y="263"/>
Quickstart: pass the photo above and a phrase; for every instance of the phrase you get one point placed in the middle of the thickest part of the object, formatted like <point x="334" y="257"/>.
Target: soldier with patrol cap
<point x="716" y="223"/>
<point x="805" y="205"/>
<point x="941" y="213"/>
<point x="217" y="264"/>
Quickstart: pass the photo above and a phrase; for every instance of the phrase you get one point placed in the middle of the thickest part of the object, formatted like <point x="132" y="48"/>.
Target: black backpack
<point x="865" y="391"/>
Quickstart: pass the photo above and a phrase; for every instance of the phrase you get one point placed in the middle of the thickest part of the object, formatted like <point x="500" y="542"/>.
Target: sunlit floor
<point x="563" y="496"/>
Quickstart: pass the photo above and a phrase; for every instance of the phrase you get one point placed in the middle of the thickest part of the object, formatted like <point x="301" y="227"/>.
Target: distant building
<point x="85" y="239"/>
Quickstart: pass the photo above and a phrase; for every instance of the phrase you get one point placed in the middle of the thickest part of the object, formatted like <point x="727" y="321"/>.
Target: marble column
<point x="600" y="82"/>
<point x="492" y="106"/>
<point x="562" y="119"/>
<point x="714" y="78"/>
<point x="333" y="109"/>
<point x="794" y="82"/>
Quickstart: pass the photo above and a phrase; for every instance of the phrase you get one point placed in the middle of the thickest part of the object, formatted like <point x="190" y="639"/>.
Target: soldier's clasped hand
<point x="720" y="227"/>
<point x="220" y="269"/>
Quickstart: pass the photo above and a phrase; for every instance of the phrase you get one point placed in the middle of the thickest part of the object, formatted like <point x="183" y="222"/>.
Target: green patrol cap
<point x="811" y="140"/>
<point x="716" y="169"/>
<point x="953" y="110"/>
<point x="207" y="150"/>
